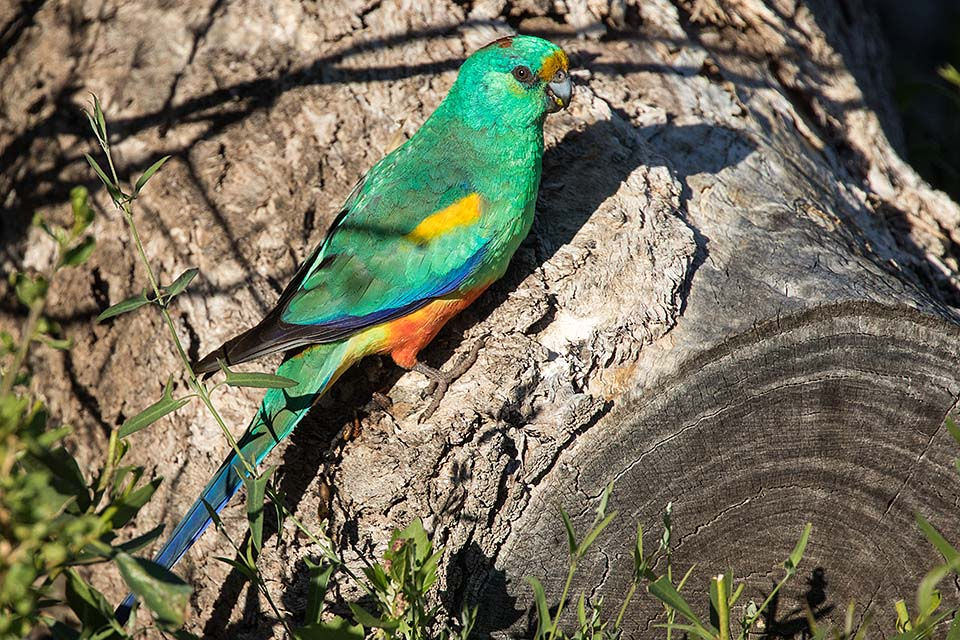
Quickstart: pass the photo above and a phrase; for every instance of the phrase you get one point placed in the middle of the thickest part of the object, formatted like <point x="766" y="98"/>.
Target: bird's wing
<point x="391" y="250"/>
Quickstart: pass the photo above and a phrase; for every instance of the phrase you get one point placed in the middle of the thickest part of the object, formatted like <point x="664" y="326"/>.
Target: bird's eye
<point x="522" y="73"/>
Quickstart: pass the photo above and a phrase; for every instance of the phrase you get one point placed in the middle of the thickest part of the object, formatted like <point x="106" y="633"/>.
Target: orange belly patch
<point x="406" y="336"/>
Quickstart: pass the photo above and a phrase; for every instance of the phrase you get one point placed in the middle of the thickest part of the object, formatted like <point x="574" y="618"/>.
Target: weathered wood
<point x="736" y="296"/>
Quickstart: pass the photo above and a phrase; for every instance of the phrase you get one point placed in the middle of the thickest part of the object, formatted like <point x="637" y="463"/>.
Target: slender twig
<point x="36" y="309"/>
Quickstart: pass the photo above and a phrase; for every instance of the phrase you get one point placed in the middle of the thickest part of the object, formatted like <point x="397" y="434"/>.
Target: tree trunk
<point x="736" y="296"/>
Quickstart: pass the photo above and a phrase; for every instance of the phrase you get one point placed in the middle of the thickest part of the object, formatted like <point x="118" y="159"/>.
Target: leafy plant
<point x="53" y="520"/>
<point x="399" y="590"/>
<point x="399" y="586"/>
<point x="590" y="616"/>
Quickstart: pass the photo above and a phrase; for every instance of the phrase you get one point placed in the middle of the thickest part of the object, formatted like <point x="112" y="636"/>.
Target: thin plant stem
<point x="36" y="308"/>
<point x="195" y="383"/>
<point x="258" y="581"/>
<point x="563" y="597"/>
<point x="123" y="203"/>
<point x="762" y="607"/>
<point x="626" y="601"/>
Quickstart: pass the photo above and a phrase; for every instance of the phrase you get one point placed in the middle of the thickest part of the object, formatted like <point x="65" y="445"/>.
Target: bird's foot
<point x="440" y="380"/>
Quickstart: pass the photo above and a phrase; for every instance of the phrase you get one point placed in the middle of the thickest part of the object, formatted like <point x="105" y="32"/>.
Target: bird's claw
<point x="440" y="380"/>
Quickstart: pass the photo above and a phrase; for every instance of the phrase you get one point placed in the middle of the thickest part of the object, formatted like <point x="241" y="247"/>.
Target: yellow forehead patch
<point x="464" y="211"/>
<point x="553" y="63"/>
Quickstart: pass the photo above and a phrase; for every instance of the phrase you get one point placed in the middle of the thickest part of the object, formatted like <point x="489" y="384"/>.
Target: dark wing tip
<point x="208" y="364"/>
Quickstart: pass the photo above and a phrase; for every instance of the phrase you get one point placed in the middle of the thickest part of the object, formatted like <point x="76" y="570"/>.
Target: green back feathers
<point x="477" y="157"/>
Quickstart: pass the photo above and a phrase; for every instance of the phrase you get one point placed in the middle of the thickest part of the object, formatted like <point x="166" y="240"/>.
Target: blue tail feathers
<point x="315" y="368"/>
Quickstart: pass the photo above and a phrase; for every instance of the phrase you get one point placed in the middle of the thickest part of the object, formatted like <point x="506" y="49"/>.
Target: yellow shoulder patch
<point x="461" y="213"/>
<point x="553" y="63"/>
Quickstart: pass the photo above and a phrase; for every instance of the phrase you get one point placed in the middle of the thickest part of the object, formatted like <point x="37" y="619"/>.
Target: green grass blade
<point x="124" y="306"/>
<point x="181" y="283"/>
<point x="571" y="536"/>
<point x="149" y="174"/>
<point x="947" y="550"/>
<point x="258" y="380"/>
<point x="256" y="491"/>
<point x="111" y="188"/>
<point x="954" y="632"/>
<point x="797" y="554"/>
<point x="663" y="590"/>
<point x="316" y="590"/>
<point x="592" y="535"/>
<point x="165" y="405"/>
<point x="544" y="622"/>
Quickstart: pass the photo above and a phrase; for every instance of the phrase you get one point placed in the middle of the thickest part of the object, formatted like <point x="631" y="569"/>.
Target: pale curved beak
<point x="559" y="91"/>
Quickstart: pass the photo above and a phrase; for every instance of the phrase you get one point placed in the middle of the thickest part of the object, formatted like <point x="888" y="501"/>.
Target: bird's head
<point x="514" y="81"/>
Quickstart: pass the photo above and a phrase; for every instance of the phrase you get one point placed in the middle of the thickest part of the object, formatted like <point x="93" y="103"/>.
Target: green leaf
<point x="256" y="489"/>
<point x="127" y="506"/>
<point x="954" y="632"/>
<point x="181" y="283"/>
<point x="79" y="253"/>
<point x="588" y="540"/>
<point x="335" y="629"/>
<point x="149" y="174"/>
<point x="949" y="73"/>
<point x="667" y="527"/>
<point x="796" y="555"/>
<point x="134" y="302"/>
<point x="101" y="122"/>
<point x="258" y="380"/>
<point x="161" y="590"/>
<point x="66" y="476"/>
<point x="370" y="621"/>
<point x="947" y="550"/>
<point x="111" y="188"/>
<point x="571" y="536"/>
<point x="639" y="562"/>
<point x="928" y="598"/>
<point x="697" y="631"/>
<point x="316" y="590"/>
<point x="604" y="499"/>
<point x="82" y="212"/>
<point x="953" y="428"/>
<point x="663" y="590"/>
<point x="544" y="622"/>
<point x="29" y="290"/>
<point x="135" y="544"/>
<point x="736" y="594"/>
<point x="903" y="617"/>
<point x="87" y="603"/>
<point x="93" y="124"/>
<point x="165" y="405"/>
<point x="244" y="570"/>
<point x="62" y="344"/>
<point x="214" y="516"/>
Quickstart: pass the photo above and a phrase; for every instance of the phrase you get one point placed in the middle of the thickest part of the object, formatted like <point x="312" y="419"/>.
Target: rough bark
<point x="736" y="297"/>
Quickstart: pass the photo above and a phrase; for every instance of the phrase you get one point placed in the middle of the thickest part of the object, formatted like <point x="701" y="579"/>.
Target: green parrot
<point x="421" y="236"/>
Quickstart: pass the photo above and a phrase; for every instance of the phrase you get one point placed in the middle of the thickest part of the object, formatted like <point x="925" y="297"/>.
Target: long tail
<point x="316" y="368"/>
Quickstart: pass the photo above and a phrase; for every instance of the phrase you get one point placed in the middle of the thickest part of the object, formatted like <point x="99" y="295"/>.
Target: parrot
<point x="429" y="227"/>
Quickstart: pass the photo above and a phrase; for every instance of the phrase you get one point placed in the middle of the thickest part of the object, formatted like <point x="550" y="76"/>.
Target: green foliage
<point x="54" y="520"/>
<point x="399" y="589"/>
